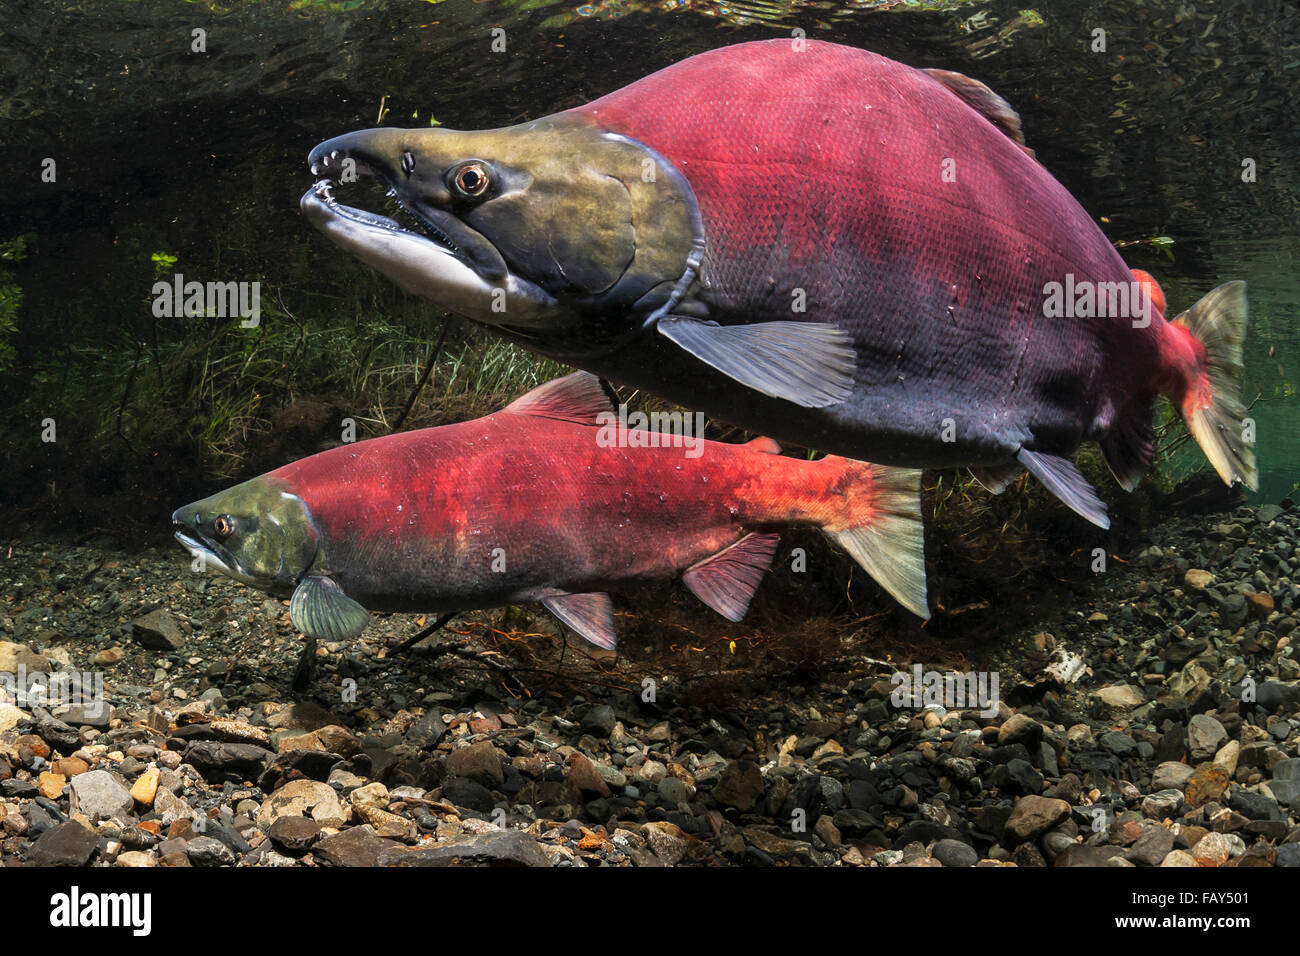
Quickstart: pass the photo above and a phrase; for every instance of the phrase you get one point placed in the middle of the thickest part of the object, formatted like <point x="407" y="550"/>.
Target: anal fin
<point x="727" y="580"/>
<point x="1064" y="480"/>
<point x="996" y="478"/>
<point x="808" y="363"/>
<point x="590" y="615"/>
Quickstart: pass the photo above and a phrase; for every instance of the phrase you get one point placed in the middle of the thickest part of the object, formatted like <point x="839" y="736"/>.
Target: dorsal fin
<point x="765" y="445"/>
<point x="574" y="398"/>
<point x="984" y="101"/>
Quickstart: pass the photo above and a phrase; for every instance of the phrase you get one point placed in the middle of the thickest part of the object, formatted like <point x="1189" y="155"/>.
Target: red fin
<point x="575" y="398"/>
<point x="1152" y="288"/>
<point x="591" y="615"/>
<point x="985" y="102"/>
<point x="727" y="581"/>
<point x="764" y="445"/>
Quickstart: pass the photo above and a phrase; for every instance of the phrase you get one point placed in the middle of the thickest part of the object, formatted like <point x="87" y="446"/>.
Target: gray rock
<point x="1031" y="816"/>
<point x="493" y="848"/>
<point x="1171" y="775"/>
<point x="1286" y="782"/>
<point x="96" y="715"/>
<point x="1152" y="846"/>
<point x="68" y="844"/>
<point x="218" y="761"/>
<point x="599" y="721"/>
<point x="1288" y="854"/>
<point x="158" y="630"/>
<point x="208" y="851"/>
<point x="99" y="794"/>
<point x="673" y="791"/>
<point x="1120" y="744"/>
<point x="1205" y="736"/>
<point x="55" y="732"/>
<point x="1253" y="806"/>
<point x="1269" y="512"/>
<point x="294" y="833"/>
<point x="469" y="794"/>
<point x="356" y="846"/>
<point x="479" y="762"/>
<point x="954" y="853"/>
<point x="1162" y="803"/>
<point x="740" y="786"/>
<point x="425" y="733"/>
<point x="1083" y="855"/>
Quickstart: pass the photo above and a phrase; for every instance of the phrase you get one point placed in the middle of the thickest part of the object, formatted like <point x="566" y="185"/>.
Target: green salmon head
<point x="254" y="532"/>
<point x="531" y="228"/>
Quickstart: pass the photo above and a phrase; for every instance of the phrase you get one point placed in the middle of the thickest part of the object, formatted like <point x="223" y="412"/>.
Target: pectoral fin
<point x="590" y="615"/>
<point x="320" y="609"/>
<point x="727" y="580"/>
<point x="807" y="363"/>
<point x="1063" y="479"/>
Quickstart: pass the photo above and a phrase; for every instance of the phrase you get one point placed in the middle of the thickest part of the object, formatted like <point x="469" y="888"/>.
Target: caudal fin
<point x="889" y="542"/>
<point x="1212" y="407"/>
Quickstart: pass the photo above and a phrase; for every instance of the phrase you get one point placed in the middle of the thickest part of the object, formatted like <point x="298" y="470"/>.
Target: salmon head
<point x="529" y="228"/>
<point x="254" y="532"/>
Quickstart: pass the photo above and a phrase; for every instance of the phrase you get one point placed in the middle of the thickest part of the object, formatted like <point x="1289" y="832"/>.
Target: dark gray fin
<point x="807" y="363"/>
<point x="984" y="101"/>
<point x="890" y="543"/>
<point x="320" y="609"/>
<point x="590" y="615"/>
<point x="1063" y="479"/>
<point x="574" y="398"/>
<point x="727" y="580"/>
<point x="995" y="478"/>
<point x="1130" y="446"/>
<point x="1212" y="408"/>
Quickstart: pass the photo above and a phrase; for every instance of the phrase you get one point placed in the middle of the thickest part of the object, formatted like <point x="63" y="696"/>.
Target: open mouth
<point x="422" y="225"/>
<point x="211" y="561"/>
<point x="427" y="250"/>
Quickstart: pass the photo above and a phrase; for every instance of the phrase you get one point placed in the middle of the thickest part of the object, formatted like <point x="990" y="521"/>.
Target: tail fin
<point x="1212" y="407"/>
<point x="889" y="542"/>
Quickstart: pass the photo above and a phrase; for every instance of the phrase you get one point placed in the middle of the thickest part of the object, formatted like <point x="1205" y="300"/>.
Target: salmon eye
<point x="471" y="180"/>
<point x="223" y="526"/>
<point x="408" y="163"/>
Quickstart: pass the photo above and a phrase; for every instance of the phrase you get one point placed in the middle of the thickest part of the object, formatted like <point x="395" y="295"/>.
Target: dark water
<point x="160" y="148"/>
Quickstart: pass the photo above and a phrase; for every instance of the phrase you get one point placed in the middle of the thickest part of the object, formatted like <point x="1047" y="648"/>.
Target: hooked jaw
<point x="440" y="259"/>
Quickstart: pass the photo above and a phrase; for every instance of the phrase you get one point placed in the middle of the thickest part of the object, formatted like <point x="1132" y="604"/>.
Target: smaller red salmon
<point x="551" y="499"/>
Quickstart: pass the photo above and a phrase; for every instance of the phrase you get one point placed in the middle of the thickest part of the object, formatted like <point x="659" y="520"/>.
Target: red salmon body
<point x="544" y="499"/>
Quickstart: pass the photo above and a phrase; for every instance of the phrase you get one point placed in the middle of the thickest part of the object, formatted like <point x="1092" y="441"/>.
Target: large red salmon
<point x="551" y="499"/>
<point x="819" y="244"/>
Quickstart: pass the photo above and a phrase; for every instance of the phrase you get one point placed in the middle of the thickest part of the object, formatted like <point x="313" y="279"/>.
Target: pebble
<point x="954" y="853"/>
<point x="99" y="794"/>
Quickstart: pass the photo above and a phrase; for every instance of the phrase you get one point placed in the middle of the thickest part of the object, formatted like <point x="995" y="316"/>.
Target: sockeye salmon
<point x="818" y="244"/>
<point x="550" y="500"/>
